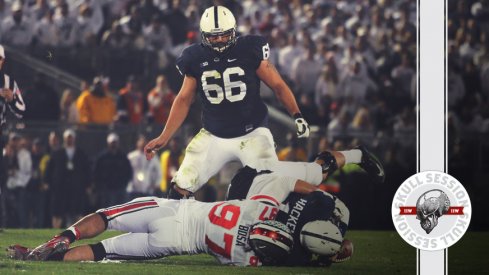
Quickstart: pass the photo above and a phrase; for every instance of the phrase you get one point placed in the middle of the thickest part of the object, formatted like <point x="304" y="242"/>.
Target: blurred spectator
<point x="69" y="112"/>
<point x="54" y="142"/>
<point x="37" y="189"/>
<point x="67" y="175"/>
<point x="362" y="126"/>
<point x="325" y="88"/>
<point x="131" y="103"/>
<point x="148" y="11"/>
<point x="16" y="29"/>
<point x="404" y="128"/>
<point x="87" y="27"/>
<point x="111" y="174"/>
<point x="39" y="10"/>
<point x="455" y="87"/>
<point x="338" y="127"/>
<point x="146" y="174"/>
<point x="115" y="38"/>
<point x="45" y="31"/>
<point x="97" y="107"/>
<point x="19" y="168"/>
<point x="170" y="161"/>
<point x="4" y="10"/>
<point x="157" y="39"/>
<point x="132" y="25"/>
<point x="160" y="100"/>
<point x="157" y="36"/>
<point x="42" y="100"/>
<point x="355" y="84"/>
<point x="176" y="21"/>
<point x="66" y="26"/>
<point x="305" y="71"/>
<point x="294" y="150"/>
<point x="287" y="54"/>
<point x="192" y="37"/>
<point x="403" y="75"/>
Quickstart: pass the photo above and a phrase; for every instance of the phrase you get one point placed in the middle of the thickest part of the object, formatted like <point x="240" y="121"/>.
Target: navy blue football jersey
<point x="228" y="85"/>
<point x="304" y="209"/>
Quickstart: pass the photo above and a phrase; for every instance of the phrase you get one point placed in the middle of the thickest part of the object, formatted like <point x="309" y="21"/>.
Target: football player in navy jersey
<point x="225" y="71"/>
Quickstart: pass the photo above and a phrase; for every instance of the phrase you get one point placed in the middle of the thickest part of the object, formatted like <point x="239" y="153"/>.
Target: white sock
<point x="352" y="156"/>
<point x="310" y="172"/>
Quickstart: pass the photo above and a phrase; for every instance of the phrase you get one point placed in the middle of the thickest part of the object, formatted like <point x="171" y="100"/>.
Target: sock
<point x="310" y="172"/>
<point x="352" y="156"/>
<point x="71" y="233"/>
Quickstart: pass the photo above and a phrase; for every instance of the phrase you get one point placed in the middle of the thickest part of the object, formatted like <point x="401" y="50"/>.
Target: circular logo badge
<point x="431" y="210"/>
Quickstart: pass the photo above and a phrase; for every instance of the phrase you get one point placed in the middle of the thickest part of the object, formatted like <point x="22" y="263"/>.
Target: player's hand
<point x="153" y="146"/>
<point x="302" y="126"/>
<point x="8" y="94"/>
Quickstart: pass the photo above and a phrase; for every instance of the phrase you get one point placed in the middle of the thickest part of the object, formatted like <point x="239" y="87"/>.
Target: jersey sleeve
<point x="271" y="188"/>
<point x="260" y="50"/>
<point x="184" y="62"/>
<point x="17" y="105"/>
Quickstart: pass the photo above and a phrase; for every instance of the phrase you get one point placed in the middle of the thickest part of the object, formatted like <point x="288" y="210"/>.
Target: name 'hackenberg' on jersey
<point x="228" y="85"/>
<point x="225" y="229"/>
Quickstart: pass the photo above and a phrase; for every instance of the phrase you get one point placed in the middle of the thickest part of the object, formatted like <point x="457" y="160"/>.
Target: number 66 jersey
<point x="228" y="85"/>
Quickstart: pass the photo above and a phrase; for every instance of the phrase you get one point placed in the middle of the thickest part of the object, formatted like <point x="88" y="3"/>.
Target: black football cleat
<point x="56" y="245"/>
<point x="18" y="252"/>
<point x="371" y="165"/>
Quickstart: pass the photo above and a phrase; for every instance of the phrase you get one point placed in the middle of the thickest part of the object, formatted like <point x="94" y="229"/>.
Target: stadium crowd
<point x="351" y="65"/>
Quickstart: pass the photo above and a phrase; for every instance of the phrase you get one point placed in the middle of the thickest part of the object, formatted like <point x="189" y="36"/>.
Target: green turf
<point x="376" y="252"/>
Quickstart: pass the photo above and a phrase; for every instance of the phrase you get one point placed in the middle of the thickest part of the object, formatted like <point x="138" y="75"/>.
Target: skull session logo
<point x="431" y="210"/>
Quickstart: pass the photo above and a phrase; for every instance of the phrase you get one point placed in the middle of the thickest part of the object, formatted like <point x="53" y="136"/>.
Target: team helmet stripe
<point x="326" y="238"/>
<point x="216" y="22"/>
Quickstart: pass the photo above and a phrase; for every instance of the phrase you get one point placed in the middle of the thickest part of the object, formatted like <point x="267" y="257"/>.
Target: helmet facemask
<point x="218" y="21"/>
<point x="207" y="38"/>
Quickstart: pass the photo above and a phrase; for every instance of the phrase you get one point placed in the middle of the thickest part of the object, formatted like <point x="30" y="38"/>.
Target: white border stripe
<point x="431" y="108"/>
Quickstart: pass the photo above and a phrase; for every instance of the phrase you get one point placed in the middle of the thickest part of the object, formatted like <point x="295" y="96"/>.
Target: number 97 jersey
<point x="227" y="228"/>
<point x="228" y="85"/>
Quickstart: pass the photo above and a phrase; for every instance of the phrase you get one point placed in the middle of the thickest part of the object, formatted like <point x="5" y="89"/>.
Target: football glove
<point x="302" y="126"/>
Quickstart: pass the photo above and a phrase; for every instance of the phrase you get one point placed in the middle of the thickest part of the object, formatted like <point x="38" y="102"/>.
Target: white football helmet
<point x="218" y="21"/>
<point x="321" y="237"/>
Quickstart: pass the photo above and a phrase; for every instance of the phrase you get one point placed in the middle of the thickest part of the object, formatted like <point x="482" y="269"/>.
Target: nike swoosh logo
<point x="232" y="60"/>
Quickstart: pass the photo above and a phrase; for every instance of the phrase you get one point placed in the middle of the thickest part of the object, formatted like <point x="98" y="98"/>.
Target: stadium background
<point x="356" y="86"/>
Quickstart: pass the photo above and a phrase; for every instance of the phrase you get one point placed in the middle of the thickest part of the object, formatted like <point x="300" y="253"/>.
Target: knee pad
<point x="329" y="165"/>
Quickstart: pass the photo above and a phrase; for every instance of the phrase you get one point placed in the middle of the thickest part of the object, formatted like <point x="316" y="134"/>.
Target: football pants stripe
<point x="110" y="214"/>
<point x="265" y="198"/>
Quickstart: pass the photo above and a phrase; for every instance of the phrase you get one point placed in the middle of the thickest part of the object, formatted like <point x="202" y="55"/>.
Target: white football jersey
<point x="221" y="229"/>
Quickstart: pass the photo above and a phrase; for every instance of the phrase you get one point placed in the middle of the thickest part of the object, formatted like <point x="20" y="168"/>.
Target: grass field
<point x="376" y="252"/>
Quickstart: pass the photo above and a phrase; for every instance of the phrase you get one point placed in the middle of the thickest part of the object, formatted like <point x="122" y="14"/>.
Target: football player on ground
<point x="233" y="231"/>
<point x="297" y="210"/>
<point x="225" y="70"/>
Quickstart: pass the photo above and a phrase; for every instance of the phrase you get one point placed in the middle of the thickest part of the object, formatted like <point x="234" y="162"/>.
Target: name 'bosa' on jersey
<point x="228" y="85"/>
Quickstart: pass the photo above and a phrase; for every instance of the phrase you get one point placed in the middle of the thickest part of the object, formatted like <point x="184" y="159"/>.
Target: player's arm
<point x="178" y="113"/>
<point x="303" y="187"/>
<point x="15" y="101"/>
<point x="268" y="73"/>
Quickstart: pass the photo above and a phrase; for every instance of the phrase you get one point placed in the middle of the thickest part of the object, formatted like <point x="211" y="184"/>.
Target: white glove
<point x="302" y="126"/>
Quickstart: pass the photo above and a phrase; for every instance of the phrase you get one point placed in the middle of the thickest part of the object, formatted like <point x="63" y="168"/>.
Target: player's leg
<point x="204" y="157"/>
<point x="130" y="246"/>
<point x="144" y="220"/>
<point x="257" y="150"/>
<point x="133" y="216"/>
